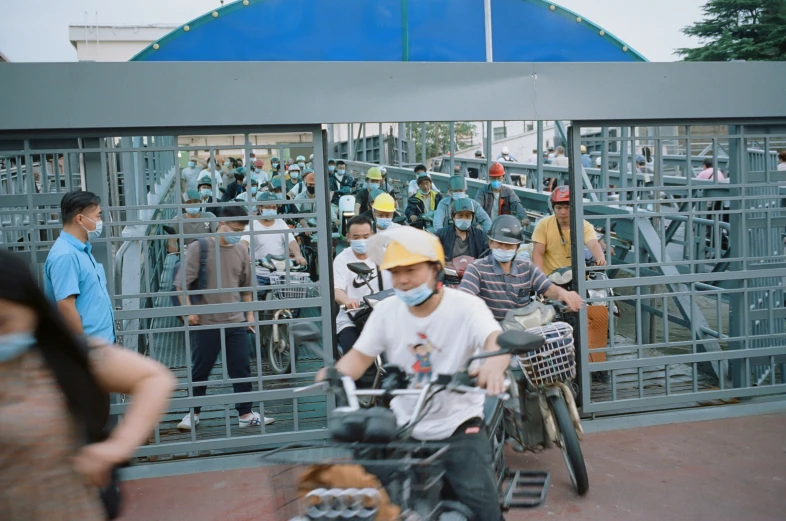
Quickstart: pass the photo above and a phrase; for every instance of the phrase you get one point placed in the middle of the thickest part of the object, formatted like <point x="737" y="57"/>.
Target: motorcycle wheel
<point x="569" y="443"/>
<point x="278" y="352"/>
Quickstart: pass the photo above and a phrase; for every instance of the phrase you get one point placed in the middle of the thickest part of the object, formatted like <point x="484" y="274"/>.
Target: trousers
<point x="207" y="346"/>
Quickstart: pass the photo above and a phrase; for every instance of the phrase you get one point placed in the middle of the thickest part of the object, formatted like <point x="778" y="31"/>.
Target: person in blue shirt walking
<point x="74" y="280"/>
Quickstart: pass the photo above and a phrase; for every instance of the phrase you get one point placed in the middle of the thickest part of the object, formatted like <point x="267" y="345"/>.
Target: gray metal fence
<point x="139" y="181"/>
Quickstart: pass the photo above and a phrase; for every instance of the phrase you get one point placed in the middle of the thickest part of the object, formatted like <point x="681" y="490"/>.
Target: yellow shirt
<point x="557" y="254"/>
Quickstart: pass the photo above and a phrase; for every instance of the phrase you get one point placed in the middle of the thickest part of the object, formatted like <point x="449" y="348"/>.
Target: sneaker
<point x="255" y="420"/>
<point x="185" y="425"/>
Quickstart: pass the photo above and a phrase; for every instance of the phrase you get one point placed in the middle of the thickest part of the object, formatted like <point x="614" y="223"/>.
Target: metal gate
<point x="140" y="184"/>
<point x="699" y="283"/>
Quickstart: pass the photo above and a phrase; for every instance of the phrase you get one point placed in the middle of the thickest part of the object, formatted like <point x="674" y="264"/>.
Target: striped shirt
<point x="503" y="291"/>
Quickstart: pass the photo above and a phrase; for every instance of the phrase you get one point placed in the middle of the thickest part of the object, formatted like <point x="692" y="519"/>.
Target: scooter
<point x="454" y="270"/>
<point x="544" y="394"/>
<point x="409" y="470"/>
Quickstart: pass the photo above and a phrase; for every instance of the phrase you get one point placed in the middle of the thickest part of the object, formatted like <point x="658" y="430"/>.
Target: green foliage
<point x="438" y="138"/>
<point x="751" y="30"/>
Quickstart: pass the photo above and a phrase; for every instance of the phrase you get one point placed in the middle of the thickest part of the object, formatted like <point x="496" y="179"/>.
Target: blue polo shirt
<point x="71" y="269"/>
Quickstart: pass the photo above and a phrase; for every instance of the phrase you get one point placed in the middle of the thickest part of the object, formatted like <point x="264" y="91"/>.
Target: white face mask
<point x="94" y="234"/>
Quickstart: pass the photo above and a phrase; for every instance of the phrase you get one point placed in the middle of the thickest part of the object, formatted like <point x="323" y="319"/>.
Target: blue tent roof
<point x="388" y="30"/>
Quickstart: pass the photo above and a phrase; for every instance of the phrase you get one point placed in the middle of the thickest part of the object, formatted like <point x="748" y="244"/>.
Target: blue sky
<point x="37" y="30"/>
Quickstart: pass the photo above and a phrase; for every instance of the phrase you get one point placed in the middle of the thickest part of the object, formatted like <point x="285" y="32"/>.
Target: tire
<point x="279" y="354"/>
<point x="569" y="443"/>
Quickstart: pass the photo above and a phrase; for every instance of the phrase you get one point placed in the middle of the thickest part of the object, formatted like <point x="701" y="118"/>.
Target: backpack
<point x="199" y="283"/>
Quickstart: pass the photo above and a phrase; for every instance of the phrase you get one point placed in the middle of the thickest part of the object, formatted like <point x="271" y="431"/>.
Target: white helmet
<point x="505" y="151"/>
<point x="597" y="161"/>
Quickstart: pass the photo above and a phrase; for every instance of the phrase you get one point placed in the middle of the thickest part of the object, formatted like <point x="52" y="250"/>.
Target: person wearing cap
<point x="205" y="189"/>
<point x="293" y="176"/>
<point x="191" y="222"/>
<point x="191" y="173"/>
<point x="300" y="187"/>
<point x="275" y="167"/>
<point x="382" y="212"/>
<point x="498" y="199"/>
<point x="338" y="180"/>
<point x="262" y="239"/>
<point x="457" y="187"/>
<point x="426" y="330"/>
<point x="506" y="156"/>
<point x="641" y="164"/>
<point x="460" y="237"/>
<point x="301" y="162"/>
<point x="308" y="194"/>
<point x="586" y="160"/>
<point x="260" y="173"/>
<point x="552" y="236"/>
<point x="363" y="199"/>
<point x="425" y="199"/>
<point x="412" y="189"/>
<point x="505" y="282"/>
<point x="275" y="188"/>
<point x="474" y="171"/>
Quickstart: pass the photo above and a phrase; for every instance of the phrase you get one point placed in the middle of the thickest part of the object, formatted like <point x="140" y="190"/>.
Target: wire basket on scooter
<point x="556" y="360"/>
<point x="279" y="279"/>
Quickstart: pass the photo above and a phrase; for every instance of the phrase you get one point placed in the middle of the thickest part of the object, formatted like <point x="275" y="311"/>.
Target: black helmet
<point x="507" y="229"/>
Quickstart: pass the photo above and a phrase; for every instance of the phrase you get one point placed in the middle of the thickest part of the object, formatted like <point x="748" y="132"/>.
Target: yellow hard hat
<point x="406" y="246"/>
<point x="374" y="173"/>
<point x="384" y="203"/>
<point x="583" y="149"/>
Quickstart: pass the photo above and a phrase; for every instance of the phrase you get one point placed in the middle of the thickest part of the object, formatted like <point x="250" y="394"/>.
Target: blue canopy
<point x="389" y="30"/>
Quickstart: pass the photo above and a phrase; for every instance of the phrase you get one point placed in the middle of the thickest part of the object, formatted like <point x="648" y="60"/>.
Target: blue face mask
<point x="331" y="168"/>
<point x="269" y="212"/>
<point x="193" y="211"/>
<point x="14" y="345"/>
<point x="254" y="190"/>
<point x="503" y="255"/>
<point x="384" y="224"/>
<point x="459" y="195"/>
<point x="206" y="192"/>
<point x="275" y="166"/>
<point x="191" y="164"/>
<point x="425" y="192"/>
<point x="415" y="296"/>
<point x="373" y="186"/>
<point x="232" y="239"/>
<point x="463" y="224"/>
<point x="496" y="185"/>
<point x="294" y="174"/>
<point x="359" y="246"/>
<point x="341" y="172"/>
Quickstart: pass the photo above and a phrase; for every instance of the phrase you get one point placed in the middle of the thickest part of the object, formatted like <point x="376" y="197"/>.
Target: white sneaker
<point x="255" y="420"/>
<point x="185" y="425"/>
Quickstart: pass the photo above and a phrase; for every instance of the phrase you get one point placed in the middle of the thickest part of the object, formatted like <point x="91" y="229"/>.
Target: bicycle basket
<point x="279" y="279"/>
<point x="556" y="360"/>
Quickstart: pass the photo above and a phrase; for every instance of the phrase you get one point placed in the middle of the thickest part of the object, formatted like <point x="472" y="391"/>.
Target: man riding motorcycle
<point x="382" y="212"/>
<point x="429" y="330"/>
<point x="461" y="238"/>
<point x="457" y="184"/>
<point x="505" y="282"/>
<point x="498" y="199"/>
<point x="552" y="236"/>
<point x="425" y="199"/>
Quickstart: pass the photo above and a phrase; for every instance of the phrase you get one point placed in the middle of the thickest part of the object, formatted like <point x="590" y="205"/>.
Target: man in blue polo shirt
<point x="74" y="280"/>
<point x="505" y="282"/>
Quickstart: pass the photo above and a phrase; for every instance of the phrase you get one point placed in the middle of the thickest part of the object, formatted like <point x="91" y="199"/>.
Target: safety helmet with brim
<point x="405" y="246"/>
<point x="384" y="202"/>
<point x="374" y="174"/>
<point x="505" y="229"/>
<point x="457" y="183"/>
<point x="462" y="205"/>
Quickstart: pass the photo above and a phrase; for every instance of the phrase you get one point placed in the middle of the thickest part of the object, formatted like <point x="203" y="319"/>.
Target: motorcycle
<point x="408" y="469"/>
<point x="544" y="393"/>
<point x="454" y="270"/>
<point x="360" y="315"/>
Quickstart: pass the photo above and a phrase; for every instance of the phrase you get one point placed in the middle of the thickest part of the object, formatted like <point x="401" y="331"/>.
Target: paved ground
<point x="718" y="470"/>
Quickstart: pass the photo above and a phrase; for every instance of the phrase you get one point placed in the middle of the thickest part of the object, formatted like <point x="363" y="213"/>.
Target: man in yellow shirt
<point x="552" y="236"/>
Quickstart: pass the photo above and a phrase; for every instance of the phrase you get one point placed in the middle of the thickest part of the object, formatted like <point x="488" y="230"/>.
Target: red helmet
<point x="496" y="170"/>
<point x="258" y="163"/>
<point x="561" y="194"/>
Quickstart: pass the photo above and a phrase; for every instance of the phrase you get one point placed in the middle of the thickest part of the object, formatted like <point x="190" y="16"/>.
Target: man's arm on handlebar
<point x="570" y="298"/>
<point x="352" y="364"/>
<point x="294" y="250"/>
<point x="343" y="300"/>
<point x="491" y="374"/>
<point x="597" y="252"/>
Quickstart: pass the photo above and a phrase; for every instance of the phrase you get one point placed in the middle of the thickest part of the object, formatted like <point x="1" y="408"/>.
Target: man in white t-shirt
<point x="428" y="330"/>
<point x="349" y="288"/>
<point x="275" y="238"/>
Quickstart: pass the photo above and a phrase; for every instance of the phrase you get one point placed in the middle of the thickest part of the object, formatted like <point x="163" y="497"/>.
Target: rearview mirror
<point x="360" y="268"/>
<point x="518" y="342"/>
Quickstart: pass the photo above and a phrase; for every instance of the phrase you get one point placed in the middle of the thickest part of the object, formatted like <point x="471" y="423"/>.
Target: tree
<point x="438" y="138"/>
<point x="751" y="30"/>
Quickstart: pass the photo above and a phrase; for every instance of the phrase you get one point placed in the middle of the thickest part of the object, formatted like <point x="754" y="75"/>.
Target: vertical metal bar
<point x="489" y="39"/>
<point x="400" y="149"/>
<point x="489" y="147"/>
<point x="452" y="146"/>
<point x="381" y="147"/>
<point x="423" y="143"/>
<point x="365" y="144"/>
<point x="350" y="144"/>
<point x="539" y="179"/>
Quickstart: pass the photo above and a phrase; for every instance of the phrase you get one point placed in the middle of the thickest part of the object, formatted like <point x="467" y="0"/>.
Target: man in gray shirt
<point x="236" y="272"/>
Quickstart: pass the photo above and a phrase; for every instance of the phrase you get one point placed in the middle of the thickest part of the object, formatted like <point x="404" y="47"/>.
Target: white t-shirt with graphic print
<point x="353" y="285"/>
<point x="440" y="343"/>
